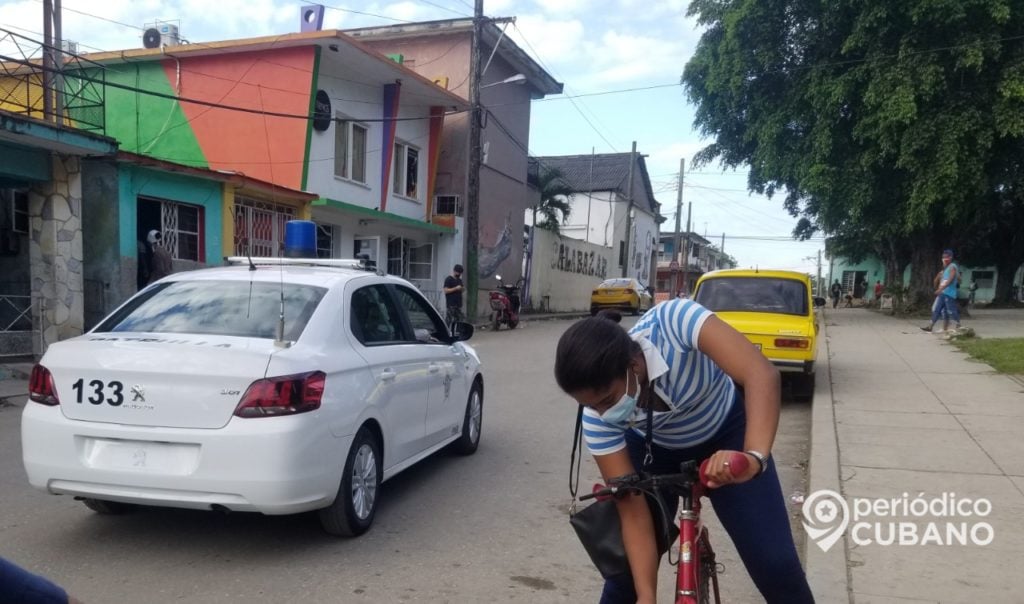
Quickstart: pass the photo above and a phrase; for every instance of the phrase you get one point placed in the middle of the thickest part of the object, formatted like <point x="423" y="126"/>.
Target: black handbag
<point x="598" y="526"/>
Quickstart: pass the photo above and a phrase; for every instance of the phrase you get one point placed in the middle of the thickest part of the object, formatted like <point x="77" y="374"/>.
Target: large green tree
<point x="894" y="128"/>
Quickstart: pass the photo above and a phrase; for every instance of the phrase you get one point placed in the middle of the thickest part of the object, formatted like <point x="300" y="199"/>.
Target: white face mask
<point x="619" y="413"/>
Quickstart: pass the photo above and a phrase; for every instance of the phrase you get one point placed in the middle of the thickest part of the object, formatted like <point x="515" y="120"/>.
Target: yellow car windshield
<point x="754" y="294"/>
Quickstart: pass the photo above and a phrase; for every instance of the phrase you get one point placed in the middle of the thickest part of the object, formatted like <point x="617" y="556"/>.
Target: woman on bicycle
<point x="712" y="394"/>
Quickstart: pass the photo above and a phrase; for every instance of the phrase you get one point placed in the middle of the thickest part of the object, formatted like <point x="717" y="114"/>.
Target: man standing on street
<point x="946" y="294"/>
<point x="453" y="296"/>
<point x="878" y="290"/>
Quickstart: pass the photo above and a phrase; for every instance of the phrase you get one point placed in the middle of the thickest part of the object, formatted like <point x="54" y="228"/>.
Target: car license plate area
<point x="175" y="459"/>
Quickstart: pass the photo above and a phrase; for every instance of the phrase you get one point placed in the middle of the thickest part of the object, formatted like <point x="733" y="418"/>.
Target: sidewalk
<point x="896" y="411"/>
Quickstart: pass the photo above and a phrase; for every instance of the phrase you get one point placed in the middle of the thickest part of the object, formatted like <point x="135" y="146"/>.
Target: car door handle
<point x="388" y="375"/>
<point x="433" y="368"/>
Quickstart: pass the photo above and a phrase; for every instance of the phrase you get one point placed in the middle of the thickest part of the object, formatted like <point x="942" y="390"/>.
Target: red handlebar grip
<point x="738" y="464"/>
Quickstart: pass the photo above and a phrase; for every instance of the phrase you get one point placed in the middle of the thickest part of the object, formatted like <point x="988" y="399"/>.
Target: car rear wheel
<point x="803" y="387"/>
<point x="353" y="509"/>
<point x="108" y="508"/>
<point x="471" y="423"/>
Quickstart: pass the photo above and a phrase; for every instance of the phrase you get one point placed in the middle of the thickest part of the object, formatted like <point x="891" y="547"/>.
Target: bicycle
<point x="697" y="571"/>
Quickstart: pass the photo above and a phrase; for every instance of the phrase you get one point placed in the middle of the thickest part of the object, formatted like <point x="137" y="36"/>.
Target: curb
<point x="827" y="572"/>
<point x="523" y="319"/>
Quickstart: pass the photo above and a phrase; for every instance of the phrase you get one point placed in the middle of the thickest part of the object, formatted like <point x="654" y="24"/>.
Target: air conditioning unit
<point x="447" y="205"/>
<point x="69" y="47"/>
<point x="159" y="35"/>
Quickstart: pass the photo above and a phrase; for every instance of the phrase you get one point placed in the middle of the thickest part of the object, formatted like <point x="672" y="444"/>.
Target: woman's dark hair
<point x="593" y="352"/>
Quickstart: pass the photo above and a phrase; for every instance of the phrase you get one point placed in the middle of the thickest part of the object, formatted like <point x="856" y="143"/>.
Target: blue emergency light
<point x="300" y="239"/>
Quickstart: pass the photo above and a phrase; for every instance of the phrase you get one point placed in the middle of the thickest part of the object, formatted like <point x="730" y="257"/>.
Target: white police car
<point x="271" y="385"/>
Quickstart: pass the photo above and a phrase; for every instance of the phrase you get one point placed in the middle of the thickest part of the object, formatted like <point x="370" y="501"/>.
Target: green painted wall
<point x="135" y="181"/>
<point x="147" y="124"/>
<point x="21" y="165"/>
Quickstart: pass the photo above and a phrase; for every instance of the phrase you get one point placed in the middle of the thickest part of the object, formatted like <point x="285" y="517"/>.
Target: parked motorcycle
<point x="505" y="304"/>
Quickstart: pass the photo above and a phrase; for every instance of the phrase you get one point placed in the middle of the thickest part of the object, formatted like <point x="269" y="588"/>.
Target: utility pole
<point x="678" y="238"/>
<point x="629" y="210"/>
<point x="818" y="282"/>
<point x="686" y="247"/>
<point x="473" y="182"/>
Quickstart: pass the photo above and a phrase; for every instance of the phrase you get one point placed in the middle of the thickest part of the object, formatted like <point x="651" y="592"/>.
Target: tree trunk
<point x="1006" y="271"/>
<point x="923" y="267"/>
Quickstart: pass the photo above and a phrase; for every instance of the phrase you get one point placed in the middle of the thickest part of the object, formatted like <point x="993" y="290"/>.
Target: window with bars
<point x="350" y="150"/>
<point x="325" y="240"/>
<point x="181" y="227"/>
<point x="410" y="260"/>
<point x="405" y="170"/>
<point x="260" y="226"/>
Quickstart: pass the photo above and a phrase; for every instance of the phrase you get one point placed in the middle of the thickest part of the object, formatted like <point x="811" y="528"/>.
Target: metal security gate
<point x="259" y="227"/>
<point x="16" y="327"/>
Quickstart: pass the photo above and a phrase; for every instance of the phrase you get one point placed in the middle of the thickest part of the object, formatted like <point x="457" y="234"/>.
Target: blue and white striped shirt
<point x="696" y="389"/>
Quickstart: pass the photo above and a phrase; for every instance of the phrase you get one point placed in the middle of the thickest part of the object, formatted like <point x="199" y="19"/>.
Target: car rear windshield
<point x="224" y="308"/>
<point x="617" y="283"/>
<point x="753" y="294"/>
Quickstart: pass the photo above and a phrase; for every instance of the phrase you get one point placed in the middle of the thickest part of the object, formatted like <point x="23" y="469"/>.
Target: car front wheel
<point x="353" y="509"/>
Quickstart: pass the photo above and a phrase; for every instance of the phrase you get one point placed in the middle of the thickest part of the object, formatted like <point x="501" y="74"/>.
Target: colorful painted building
<point x="871" y="269"/>
<point x="242" y="107"/>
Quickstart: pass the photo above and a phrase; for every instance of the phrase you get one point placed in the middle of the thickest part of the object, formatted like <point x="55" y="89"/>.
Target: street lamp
<point x="516" y="79"/>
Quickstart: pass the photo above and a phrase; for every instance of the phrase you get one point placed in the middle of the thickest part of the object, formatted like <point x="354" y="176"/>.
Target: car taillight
<point x="285" y="395"/>
<point x="630" y="291"/>
<point x="791" y="343"/>
<point x="41" y="388"/>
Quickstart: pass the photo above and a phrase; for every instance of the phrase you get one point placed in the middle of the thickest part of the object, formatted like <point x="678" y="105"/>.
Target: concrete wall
<point x="101" y="215"/>
<point x="565" y="271"/>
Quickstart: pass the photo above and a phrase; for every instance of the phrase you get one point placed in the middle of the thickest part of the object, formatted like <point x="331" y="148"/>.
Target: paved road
<point x="491" y="527"/>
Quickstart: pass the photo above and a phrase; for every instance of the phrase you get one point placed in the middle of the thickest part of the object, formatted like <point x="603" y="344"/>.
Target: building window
<point x="406" y="170"/>
<point x="447" y="205"/>
<point x="259" y="227"/>
<point x="325" y="240"/>
<point x="180" y="226"/>
<point x="410" y="260"/>
<point x="350" y="150"/>
<point x="19" y="210"/>
<point x="984" y="279"/>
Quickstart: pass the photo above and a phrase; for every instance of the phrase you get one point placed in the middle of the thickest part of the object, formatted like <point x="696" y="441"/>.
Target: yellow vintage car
<point x="775" y="310"/>
<point x="623" y="293"/>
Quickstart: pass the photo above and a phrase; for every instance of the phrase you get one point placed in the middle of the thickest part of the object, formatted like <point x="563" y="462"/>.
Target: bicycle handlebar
<point x="738" y="464"/>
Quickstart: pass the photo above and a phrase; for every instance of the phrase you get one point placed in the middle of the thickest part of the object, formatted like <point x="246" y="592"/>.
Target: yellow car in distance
<point x="621" y="293"/>
<point x="775" y="310"/>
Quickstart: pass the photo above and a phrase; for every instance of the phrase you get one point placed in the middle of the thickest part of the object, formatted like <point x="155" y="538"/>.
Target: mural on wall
<point x="640" y="257"/>
<point x="578" y="261"/>
<point x="491" y="257"/>
<point x="263" y="147"/>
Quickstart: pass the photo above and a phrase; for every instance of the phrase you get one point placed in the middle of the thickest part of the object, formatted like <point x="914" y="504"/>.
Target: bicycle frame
<point x="696" y="565"/>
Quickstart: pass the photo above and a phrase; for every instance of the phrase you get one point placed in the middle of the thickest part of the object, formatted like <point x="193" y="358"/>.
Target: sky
<point x="620" y="62"/>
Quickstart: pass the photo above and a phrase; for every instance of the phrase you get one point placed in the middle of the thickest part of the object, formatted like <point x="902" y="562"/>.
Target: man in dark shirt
<point x="453" y="295"/>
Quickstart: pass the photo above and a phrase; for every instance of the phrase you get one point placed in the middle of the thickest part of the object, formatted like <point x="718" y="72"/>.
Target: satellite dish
<point x="151" y="38"/>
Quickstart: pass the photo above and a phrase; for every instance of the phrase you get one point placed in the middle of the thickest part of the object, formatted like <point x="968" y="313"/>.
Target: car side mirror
<point x="462" y="331"/>
<point x="819" y="301"/>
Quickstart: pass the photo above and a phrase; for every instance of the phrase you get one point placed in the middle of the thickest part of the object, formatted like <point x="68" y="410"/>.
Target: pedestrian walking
<point x="836" y="291"/>
<point x="878" y="290"/>
<point x="453" y="289"/>
<point x="945" y="294"/>
<point x="973" y="289"/>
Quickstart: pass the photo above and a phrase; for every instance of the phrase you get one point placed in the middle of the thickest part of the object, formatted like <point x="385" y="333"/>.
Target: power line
<point x="445" y="8"/>
<point x="571" y="99"/>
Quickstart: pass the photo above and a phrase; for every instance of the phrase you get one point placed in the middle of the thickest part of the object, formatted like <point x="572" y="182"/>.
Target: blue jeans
<point x="947" y="304"/>
<point x="753" y="513"/>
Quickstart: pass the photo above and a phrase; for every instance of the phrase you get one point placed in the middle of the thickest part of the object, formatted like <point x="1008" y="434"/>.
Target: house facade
<point x="42" y="237"/>
<point x="605" y="212"/>
<point x="369" y="155"/>
<point x="872" y="269"/>
<point x="702" y="257"/>
<point x="441" y="51"/>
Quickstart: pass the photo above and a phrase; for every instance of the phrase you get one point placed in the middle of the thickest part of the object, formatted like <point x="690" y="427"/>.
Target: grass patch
<point x="1005" y="355"/>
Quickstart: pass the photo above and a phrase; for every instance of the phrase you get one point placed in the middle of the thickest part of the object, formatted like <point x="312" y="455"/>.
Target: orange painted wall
<point x="278" y="80"/>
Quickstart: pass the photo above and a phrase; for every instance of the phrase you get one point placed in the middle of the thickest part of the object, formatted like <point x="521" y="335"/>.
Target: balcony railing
<point x="75" y="85"/>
